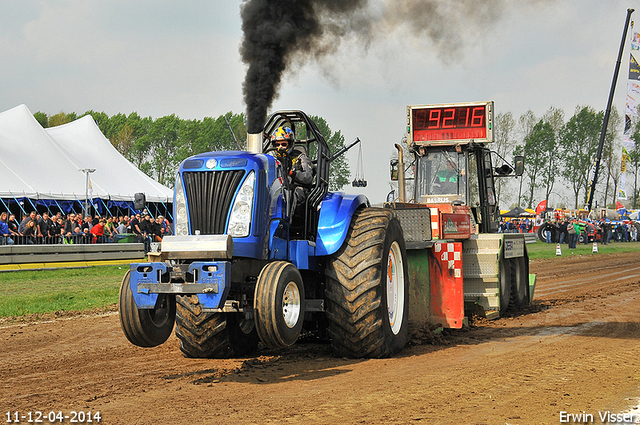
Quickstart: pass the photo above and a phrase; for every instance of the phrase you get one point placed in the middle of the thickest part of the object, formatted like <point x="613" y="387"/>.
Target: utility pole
<point x="605" y="122"/>
<point x="87" y="171"/>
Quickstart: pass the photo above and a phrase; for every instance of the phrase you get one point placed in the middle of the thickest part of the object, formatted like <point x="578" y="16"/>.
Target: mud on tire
<point x="212" y="335"/>
<point x="367" y="288"/>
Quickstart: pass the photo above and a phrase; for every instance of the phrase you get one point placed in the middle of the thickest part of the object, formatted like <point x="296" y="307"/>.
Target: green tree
<point x="123" y="141"/>
<point x="42" y="119"/>
<point x="579" y="142"/>
<point x="539" y="151"/>
<point x="163" y="144"/>
<point x="61" y="118"/>
<point x="339" y="171"/>
<point x="140" y="144"/>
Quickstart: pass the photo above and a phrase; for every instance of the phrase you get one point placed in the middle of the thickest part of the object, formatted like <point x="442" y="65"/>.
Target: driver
<point x="297" y="165"/>
<point x="447" y="179"/>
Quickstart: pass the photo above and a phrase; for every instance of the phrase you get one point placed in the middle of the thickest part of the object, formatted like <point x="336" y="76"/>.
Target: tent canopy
<point x="46" y="164"/>
<point x="517" y="212"/>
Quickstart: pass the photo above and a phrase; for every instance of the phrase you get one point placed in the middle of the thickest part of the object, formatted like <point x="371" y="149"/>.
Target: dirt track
<point x="577" y="350"/>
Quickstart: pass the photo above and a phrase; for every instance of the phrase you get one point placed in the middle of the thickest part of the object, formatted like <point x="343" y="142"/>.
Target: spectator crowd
<point x="571" y="230"/>
<point x="74" y="228"/>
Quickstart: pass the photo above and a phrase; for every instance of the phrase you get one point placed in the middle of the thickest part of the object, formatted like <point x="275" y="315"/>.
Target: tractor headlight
<point x="181" y="219"/>
<point x="242" y="209"/>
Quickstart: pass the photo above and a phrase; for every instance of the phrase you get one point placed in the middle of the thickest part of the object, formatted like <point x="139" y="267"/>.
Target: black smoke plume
<point x="276" y="32"/>
<point x="280" y="33"/>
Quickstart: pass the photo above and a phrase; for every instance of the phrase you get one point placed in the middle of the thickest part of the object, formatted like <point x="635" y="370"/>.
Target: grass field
<point x="548" y="250"/>
<point x="25" y="293"/>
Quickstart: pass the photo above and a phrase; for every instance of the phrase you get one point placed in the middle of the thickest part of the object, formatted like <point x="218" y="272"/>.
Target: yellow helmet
<point x="283" y="133"/>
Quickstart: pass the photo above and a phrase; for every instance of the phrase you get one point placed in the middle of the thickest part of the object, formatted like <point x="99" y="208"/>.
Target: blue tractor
<point x="242" y="267"/>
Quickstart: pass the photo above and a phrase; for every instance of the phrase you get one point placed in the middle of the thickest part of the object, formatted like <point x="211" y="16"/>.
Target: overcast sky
<point x="165" y="57"/>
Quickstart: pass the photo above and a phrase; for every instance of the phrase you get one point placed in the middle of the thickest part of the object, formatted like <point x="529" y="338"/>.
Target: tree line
<point x="560" y="155"/>
<point x="157" y="147"/>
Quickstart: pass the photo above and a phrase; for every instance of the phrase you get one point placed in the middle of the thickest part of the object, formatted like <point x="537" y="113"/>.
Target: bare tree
<point x="504" y="138"/>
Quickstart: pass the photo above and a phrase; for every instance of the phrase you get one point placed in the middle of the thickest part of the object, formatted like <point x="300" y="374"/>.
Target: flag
<point x="619" y="205"/>
<point x="542" y="206"/>
<point x="633" y="95"/>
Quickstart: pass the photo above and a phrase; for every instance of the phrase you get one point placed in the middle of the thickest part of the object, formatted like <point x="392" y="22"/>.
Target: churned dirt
<point x="575" y="350"/>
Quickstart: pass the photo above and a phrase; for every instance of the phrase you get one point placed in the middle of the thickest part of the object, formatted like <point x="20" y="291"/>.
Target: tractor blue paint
<point x="335" y="218"/>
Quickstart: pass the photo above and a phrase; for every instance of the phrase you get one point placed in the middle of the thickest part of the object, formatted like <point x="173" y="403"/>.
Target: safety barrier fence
<point x="29" y="257"/>
<point x="77" y="239"/>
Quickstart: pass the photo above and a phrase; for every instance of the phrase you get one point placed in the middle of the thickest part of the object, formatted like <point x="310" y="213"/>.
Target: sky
<point x="165" y="57"/>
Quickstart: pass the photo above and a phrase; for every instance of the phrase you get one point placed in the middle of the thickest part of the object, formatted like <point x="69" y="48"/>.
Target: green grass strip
<point x="46" y="291"/>
<point x="548" y="250"/>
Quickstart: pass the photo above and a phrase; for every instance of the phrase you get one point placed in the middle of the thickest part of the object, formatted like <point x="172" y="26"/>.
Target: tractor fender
<point x="336" y="211"/>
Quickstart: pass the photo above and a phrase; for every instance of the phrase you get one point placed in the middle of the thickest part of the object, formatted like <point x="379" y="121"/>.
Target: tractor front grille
<point x="209" y="196"/>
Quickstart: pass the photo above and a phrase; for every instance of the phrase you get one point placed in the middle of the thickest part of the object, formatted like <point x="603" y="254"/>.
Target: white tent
<point x="46" y="164"/>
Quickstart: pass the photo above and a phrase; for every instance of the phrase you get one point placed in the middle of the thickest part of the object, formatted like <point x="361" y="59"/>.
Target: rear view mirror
<point x="519" y="164"/>
<point x="393" y="165"/>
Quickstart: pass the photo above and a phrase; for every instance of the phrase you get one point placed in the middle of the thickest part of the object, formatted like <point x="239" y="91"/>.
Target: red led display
<point x="449" y="123"/>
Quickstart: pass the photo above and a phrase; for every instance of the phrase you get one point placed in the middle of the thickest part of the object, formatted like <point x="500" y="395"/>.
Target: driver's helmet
<point x="283" y="134"/>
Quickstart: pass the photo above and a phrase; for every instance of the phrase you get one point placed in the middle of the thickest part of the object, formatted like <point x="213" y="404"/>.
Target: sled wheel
<point x="367" y="289"/>
<point x="505" y="285"/>
<point x="145" y="327"/>
<point x="279" y="304"/>
<point x="212" y="335"/>
<point x="519" y="284"/>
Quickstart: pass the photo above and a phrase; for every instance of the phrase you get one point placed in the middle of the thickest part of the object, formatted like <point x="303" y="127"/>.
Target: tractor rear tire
<point x="212" y="335"/>
<point x="367" y="288"/>
<point x="505" y="285"/>
<point x="519" y="284"/>
<point x="279" y="304"/>
<point x="145" y="327"/>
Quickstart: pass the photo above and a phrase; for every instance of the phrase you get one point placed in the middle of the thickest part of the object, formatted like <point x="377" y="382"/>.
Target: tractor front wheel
<point x="145" y="327"/>
<point x="279" y="304"/>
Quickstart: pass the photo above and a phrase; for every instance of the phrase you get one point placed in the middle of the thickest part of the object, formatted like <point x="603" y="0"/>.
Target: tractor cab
<point x="452" y="161"/>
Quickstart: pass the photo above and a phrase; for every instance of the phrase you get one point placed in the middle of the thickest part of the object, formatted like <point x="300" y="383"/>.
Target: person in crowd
<point x="168" y="230"/>
<point x="562" y="231"/>
<point x="547" y="232"/>
<point x="25" y="220"/>
<point x="134" y="225"/>
<point x="69" y="224"/>
<point x="56" y="229"/>
<point x="30" y="232"/>
<point x="44" y="228"/>
<point x="157" y="228"/>
<point x="146" y="228"/>
<point x="571" y="234"/>
<point x="14" y="227"/>
<point x="110" y="231"/>
<point x="5" y="235"/>
<point x="86" y="223"/>
<point x="121" y="228"/>
<point x="98" y="231"/>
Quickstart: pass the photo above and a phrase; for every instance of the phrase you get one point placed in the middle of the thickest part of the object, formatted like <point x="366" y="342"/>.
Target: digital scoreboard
<point x="450" y="123"/>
